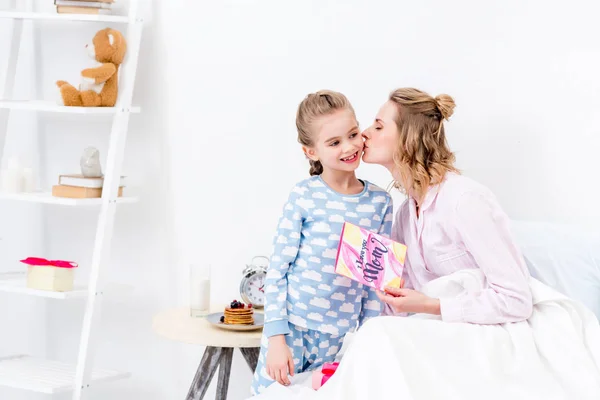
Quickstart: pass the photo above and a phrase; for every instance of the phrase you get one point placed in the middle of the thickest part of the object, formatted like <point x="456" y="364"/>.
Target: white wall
<point x="214" y="153"/>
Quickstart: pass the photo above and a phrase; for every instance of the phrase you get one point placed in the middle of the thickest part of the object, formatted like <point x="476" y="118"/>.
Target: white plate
<point x="215" y="319"/>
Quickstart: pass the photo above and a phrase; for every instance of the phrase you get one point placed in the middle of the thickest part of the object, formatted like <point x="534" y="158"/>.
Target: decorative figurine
<point x="90" y="163"/>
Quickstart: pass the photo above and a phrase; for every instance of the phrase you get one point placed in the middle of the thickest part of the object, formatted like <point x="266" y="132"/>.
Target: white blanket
<point x="555" y="355"/>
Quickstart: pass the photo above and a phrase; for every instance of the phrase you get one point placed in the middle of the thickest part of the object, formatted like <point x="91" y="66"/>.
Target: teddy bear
<point x="99" y="86"/>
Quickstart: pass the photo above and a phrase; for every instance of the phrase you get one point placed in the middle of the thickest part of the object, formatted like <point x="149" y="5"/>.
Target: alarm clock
<point x="252" y="286"/>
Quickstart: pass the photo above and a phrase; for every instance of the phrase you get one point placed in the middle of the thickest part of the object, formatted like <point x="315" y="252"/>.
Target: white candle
<point x="12" y="181"/>
<point x="4" y="178"/>
<point x="28" y="182"/>
<point x="12" y="178"/>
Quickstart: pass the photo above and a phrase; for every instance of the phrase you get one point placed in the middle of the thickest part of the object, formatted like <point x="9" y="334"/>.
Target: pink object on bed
<point x="319" y="377"/>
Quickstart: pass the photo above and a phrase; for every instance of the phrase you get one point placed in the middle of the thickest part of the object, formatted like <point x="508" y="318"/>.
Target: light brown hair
<point x="314" y="106"/>
<point x="423" y="157"/>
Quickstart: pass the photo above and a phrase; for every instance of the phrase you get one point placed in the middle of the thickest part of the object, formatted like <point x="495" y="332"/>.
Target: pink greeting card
<point x="369" y="258"/>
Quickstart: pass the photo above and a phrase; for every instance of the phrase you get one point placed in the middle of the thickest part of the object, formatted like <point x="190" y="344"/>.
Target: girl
<point x="309" y="309"/>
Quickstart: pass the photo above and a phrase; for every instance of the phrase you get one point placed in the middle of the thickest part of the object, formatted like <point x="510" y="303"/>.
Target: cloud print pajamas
<point x="305" y="299"/>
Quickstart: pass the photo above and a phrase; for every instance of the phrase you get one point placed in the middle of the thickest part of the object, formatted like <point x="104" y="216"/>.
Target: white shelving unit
<point x="38" y="374"/>
<point x="47" y="198"/>
<point x="44" y="376"/>
<point x="48" y="106"/>
<point x="65" y="17"/>
<point x="17" y="283"/>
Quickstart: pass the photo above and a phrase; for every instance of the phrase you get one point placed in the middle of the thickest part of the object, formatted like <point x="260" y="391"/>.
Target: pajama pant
<point x="310" y="349"/>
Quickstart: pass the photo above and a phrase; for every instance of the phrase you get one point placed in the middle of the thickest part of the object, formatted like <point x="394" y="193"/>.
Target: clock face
<point x="252" y="289"/>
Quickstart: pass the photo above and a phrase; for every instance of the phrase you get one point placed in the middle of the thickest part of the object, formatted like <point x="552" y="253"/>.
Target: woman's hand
<point x="279" y="360"/>
<point x="409" y="301"/>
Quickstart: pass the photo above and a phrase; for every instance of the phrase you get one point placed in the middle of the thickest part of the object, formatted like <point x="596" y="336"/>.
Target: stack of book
<point x="80" y="187"/>
<point x="83" y="6"/>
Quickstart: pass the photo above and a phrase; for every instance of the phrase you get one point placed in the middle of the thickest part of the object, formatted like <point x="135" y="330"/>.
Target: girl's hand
<point x="409" y="301"/>
<point x="279" y="360"/>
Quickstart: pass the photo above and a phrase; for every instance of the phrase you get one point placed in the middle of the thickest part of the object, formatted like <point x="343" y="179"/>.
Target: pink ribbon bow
<point x="43" y="262"/>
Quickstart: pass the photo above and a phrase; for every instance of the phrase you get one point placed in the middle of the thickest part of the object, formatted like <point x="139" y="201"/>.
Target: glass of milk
<point x="199" y="290"/>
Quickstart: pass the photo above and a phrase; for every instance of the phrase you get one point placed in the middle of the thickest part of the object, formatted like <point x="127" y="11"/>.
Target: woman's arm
<point x="285" y="249"/>
<point x="484" y="230"/>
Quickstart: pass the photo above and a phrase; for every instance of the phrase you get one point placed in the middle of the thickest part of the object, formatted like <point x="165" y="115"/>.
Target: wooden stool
<point x="177" y="325"/>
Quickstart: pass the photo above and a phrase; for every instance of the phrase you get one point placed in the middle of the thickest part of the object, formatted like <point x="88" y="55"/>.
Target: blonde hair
<point x="314" y="106"/>
<point x="423" y="157"/>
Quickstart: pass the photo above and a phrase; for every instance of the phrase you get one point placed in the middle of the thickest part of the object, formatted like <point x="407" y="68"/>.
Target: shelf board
<point x="49" y="106"/>
<point x="64" y="17"/>
<point x="47" y="198"/>
<point x="17" y="283"/>
<point x="46" y="376"/>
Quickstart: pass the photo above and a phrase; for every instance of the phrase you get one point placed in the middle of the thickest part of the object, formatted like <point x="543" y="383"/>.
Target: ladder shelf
<point x="39" y="374"/>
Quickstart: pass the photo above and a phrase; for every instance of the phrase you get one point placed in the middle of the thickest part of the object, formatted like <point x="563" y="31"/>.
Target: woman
<point x="449" y="222"/>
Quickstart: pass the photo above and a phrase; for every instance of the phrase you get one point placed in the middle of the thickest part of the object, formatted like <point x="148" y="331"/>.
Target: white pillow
<point x="565" y="257"/>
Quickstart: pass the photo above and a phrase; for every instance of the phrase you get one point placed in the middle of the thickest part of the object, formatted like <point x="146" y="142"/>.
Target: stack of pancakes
<point x="239" y="316"/>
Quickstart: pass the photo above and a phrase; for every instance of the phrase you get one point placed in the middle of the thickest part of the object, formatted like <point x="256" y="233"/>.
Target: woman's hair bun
<point x="445" y="104"/>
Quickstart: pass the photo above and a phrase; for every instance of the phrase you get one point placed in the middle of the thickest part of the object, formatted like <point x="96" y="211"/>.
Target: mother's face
<point x="381" y="138"/>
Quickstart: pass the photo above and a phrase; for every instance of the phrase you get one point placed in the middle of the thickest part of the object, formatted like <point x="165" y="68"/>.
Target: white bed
<point x="565" y="257"/>
<point x="554" y="355"/>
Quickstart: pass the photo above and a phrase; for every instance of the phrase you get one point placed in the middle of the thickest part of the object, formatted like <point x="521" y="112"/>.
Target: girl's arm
<point x="371" y="305"/>
<point x="285" y="249"/>
<point x="483" y="228"/>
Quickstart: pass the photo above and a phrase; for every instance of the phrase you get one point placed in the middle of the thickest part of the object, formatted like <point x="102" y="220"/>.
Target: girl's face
<point x="381" y="138"/>
<point x="338" y="144"/>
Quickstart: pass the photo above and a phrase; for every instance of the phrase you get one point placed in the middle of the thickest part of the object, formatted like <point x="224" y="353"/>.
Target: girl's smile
<point x="351" y="159"/>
